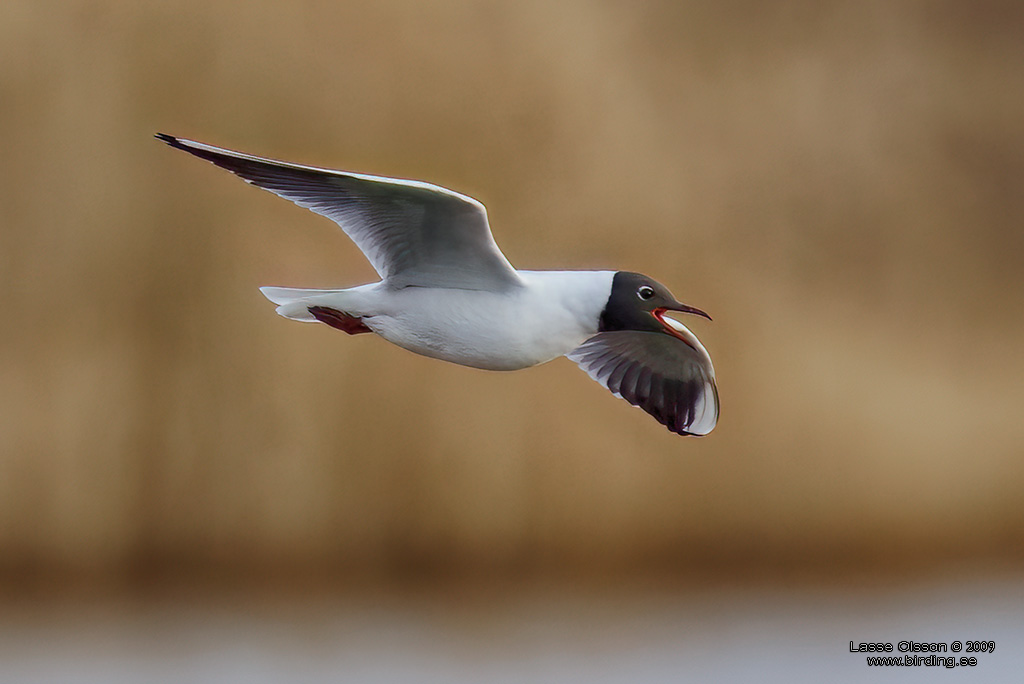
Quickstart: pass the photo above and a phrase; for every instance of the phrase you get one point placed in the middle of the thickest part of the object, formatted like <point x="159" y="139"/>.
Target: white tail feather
<point x="294" y="303"/>
<point x="285" y="295"/>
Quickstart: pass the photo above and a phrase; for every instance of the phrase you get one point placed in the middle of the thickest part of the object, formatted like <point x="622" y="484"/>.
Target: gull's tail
<point x="295" y="303"/>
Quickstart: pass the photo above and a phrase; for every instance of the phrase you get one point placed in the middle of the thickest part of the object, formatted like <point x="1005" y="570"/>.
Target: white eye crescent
<point x="645" y="292"/>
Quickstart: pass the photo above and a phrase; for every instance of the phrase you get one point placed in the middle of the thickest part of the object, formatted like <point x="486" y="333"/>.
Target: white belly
<point x="551" y="316"/>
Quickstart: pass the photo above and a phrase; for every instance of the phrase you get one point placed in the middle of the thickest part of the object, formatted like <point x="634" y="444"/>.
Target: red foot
<point x="353" y="325"/>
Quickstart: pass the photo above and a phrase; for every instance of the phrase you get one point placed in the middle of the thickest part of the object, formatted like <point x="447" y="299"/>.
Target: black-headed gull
<point x="447" y="291"/>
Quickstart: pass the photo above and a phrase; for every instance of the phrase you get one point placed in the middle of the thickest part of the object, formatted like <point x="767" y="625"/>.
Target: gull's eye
<point x="645" y="292"/>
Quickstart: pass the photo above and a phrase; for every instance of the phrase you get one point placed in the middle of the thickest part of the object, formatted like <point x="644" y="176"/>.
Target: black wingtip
<point x="169" y="139"/>
<point x="166" y="138"/>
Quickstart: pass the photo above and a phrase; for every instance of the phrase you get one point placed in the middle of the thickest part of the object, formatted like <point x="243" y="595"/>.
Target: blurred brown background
<point x="838" y="183"/>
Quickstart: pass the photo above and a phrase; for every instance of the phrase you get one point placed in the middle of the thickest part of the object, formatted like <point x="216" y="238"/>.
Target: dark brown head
<point x="638" y="303"/>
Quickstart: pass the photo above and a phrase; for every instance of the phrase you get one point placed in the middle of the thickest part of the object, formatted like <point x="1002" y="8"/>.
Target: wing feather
<point x="413" y="233"/>
<point x="670" y="378"/>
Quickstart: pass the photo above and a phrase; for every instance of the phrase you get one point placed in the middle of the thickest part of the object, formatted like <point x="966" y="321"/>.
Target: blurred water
<point x="537" y="635"/>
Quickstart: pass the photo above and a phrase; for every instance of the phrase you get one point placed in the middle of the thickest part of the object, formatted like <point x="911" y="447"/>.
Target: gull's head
<point x="638" y="302"/>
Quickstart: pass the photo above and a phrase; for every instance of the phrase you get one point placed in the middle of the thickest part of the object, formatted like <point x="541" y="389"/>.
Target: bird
<point x="447" y="292"/>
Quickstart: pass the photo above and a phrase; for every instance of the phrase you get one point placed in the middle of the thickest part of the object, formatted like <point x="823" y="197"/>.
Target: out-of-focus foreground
<point x="838" y="183"/>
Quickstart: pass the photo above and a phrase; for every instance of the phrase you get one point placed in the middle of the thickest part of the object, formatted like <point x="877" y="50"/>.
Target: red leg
<point x="353" y="325"/>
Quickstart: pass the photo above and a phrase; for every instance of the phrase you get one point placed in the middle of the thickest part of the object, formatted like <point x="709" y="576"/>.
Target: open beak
<point x="679" y="306"/>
